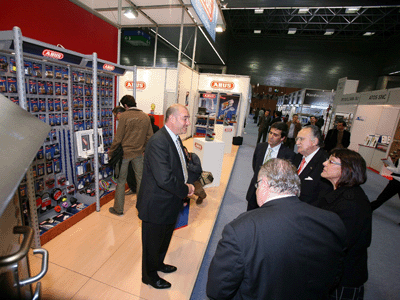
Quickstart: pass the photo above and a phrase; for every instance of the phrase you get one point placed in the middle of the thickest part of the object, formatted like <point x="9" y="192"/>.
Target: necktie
<point x="303" y="161"/>
<point x="268" y="156"/>
<point x="183" y="160"/>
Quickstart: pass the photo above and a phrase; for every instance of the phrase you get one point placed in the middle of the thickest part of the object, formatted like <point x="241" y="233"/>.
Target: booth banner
<point x="350" y="99"/>
<point x="228" y="106"/>
<point x="374" y="97"/>
<point x="208" y="14"/>
<point x="394" y="96"/>
<point x="317" y="98"/>
<point x="209" y="102"/>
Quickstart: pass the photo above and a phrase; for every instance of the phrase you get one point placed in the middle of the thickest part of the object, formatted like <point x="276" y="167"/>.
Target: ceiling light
<point x="257" y="31"/>
<point x="220" y="28"/>
<point x="130" y="13"/>
<point x="292" y="30"/>
<point x="369" y="33"/>
<point x="352" y="10"/>
<point x="329" y="31"/>
<point x="393" y="73"/>
<point x="258" y="11"/>
<point x="303" y="10"/>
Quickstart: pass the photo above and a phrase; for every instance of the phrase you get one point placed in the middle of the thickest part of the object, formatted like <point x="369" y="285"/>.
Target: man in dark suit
<point x="337" y="138"/>
<point x="163" y="188"/>
<point x="309" y="162"/>
<point x="264" y="151"/>
<point x="264" y="126"/>
<point x="284" y="250"/>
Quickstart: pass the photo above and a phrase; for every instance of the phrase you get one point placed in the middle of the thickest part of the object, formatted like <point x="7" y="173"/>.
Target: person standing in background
<point x="337" y="138"/>
<point x="294" y="128"/>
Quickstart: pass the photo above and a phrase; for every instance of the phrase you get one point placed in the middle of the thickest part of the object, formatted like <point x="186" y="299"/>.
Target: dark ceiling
<point x="383" y="22"/>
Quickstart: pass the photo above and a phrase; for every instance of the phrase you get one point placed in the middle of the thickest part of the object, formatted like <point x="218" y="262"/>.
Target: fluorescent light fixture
<point x="329" y="31"/>
<point x="258" y="11"/>
<point x="368" y="33"/>
<point x="393" y="73"/>
<point x="292" y="30"/>
<point x="352" y="10"/>
<point x="130" y="13"/>
<point x="303" y="10"/>
<point x="257" y="31"/>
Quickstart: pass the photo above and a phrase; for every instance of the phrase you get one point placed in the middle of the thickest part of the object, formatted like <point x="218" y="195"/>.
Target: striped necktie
<point x="181" y="156"/>
<point x="268" y="156"/>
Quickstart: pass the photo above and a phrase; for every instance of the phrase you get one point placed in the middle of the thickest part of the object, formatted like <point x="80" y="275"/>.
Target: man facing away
<point x="294" y="128"/>
<point x="160" y="198"/>
<point x="337" y="138"/>
<point x="133" y="132"/>
<point x="284" y="250"/>
<point x="309" y="162"/>
<point x="265" y="151"/>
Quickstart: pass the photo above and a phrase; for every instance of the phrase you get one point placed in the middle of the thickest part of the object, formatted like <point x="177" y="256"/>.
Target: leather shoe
<point x="129" y="192"/>
<point x="167" y="269"/>
<point x="113" y="211"/>
<point x="157" y="283"/>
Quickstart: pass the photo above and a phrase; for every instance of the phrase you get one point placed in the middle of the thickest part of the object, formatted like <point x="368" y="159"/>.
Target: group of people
<point x="307" y="227"/>
<point x="308" y="223"/>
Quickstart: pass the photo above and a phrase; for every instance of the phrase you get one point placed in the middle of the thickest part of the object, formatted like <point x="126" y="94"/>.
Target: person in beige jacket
<point x="133" y="132"/>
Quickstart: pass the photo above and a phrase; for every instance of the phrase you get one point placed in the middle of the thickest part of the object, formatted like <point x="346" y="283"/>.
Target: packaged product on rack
<point x="3" y="64"/>
<point x="42" y="105"/>
<point x="64" y="91"/>
<point x="65" y="119"/>
<point x="41" y="87"/>
<point x="49" y="88"/>
<point x="32" y="86"/>
<point x="28" y="68"/>
<point x="16" y="101"/>
<point x="37" y="70"/>
<point x="12" y="84"/>
<point x="65" y="73"/>
<point x="57" y="104"/>
<point x="49" y="71"/>
<point x="57" y="88"/>
<point x="57" y="119"/>
<point x="57" y="72"/>
<point x="3" y="84"/>
<point x="34" y="103"/>
<point x="50" y="104"/>
<point x="12" y="67"/>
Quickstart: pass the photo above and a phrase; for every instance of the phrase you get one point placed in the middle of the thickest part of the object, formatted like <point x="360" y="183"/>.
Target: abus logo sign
<point x="222" y="85"/>
<point x="108" y="67"/>
<point x="52" y="54"/>
<point x="140" y="85"/>
<point x="212" y="96"/>
<point x="198" y="146"/>
<point x="228" y="129"/>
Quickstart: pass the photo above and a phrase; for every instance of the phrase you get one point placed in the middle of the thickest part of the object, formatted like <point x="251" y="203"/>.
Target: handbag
<point x="206" y="178"/>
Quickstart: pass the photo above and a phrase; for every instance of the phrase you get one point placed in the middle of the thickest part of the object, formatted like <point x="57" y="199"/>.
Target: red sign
<point x="208" y="6"/>
<point x="222" y="85"/>
<point x="228" y="129"/>
<point x="212" y="96"/>
<point x="52" y="54"/>
<point x="198" y="146"/>
<point x="108" y="67"/>
<point x="140" y="85"/>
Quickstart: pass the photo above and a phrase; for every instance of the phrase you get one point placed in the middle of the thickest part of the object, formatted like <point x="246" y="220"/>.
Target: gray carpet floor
<point x="383" y="261"/>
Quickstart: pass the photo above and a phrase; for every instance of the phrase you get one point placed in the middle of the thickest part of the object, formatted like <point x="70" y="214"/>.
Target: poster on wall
<point x="228" y="106"/>
<point x="208" y="103"/>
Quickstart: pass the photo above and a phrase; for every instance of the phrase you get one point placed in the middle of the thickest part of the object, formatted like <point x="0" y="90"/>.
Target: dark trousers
<point x="262" y="134"/>
<point x="131" y="179"/>
<point x="290" y="142"/>
<point x="389" y="191"/>
<point x="155" y="243"/>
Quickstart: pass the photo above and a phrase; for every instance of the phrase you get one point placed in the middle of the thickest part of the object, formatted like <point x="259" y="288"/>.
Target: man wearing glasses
<point x="265" y="151"/>
<point x="309" y="162"/>
<point x="286" y="249"/>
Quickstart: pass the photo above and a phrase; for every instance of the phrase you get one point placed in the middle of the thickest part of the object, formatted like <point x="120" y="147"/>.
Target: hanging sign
<point x="108" y="67"/>
<point x="349" y="99"/>
<point x="225" y="85"/>
<point x="140" y="85"/>
<point x="207" y="12"/>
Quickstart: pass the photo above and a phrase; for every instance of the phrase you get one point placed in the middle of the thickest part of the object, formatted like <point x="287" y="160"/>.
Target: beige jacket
<point x="133" y="132"/>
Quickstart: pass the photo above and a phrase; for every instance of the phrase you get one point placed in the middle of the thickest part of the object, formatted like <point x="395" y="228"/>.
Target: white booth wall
<point x="154" y="85"/>
<point x="241" y="86"/>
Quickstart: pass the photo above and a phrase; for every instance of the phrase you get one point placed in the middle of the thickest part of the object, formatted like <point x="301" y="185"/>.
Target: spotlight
<point x="130" y="13"/>
<point x="292" y="30"/>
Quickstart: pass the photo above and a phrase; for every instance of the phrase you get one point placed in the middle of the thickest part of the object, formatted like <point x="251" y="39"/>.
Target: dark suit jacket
<point x="311" y="182"/>
<point x="284" y="250"/>
<point x="264" y="124"/>
<point x="331" y="139"/>
<point x="162" y="188"/>
<point x="258" y="158"/>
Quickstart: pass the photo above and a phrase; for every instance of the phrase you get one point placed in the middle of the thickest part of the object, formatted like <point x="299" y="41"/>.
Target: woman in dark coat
<point x="346" y="170"/>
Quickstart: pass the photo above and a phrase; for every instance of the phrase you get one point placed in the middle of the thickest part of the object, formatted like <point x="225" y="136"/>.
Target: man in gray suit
<point x="162" y="190"/>
<point x="286" y="249"/>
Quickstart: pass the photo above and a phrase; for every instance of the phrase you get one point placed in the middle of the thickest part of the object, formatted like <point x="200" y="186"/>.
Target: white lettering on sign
<point x="212" y="96"/>
<point x="108" y="67"/>
<point x="208" y="6"/>
<point x="198" y="146"/>
<point x="222" y="85"/>
<point x="140" y="85"/>
<point x="52" y="54"/>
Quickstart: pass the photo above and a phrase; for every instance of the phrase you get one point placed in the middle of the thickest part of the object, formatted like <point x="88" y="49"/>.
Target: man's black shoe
<point x="113" y="211"/>
<point x="167" y="269"/>
<point x="157" y="284"/>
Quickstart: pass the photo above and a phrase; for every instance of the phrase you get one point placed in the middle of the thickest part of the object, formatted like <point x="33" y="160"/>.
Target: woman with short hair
<point x="346" y="170"/>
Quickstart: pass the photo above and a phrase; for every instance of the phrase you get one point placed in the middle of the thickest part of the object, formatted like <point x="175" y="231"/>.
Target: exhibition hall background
<point x="286" y="62"/>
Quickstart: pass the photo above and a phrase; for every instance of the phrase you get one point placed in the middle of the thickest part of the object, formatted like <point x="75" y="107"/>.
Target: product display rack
<point x="72" y="93"/>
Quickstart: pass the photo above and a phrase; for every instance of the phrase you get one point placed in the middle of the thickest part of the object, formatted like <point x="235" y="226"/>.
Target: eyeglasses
<point x="333" y="162"/>
<point x="257" y="184"/>
<point x="299" y="139"/>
